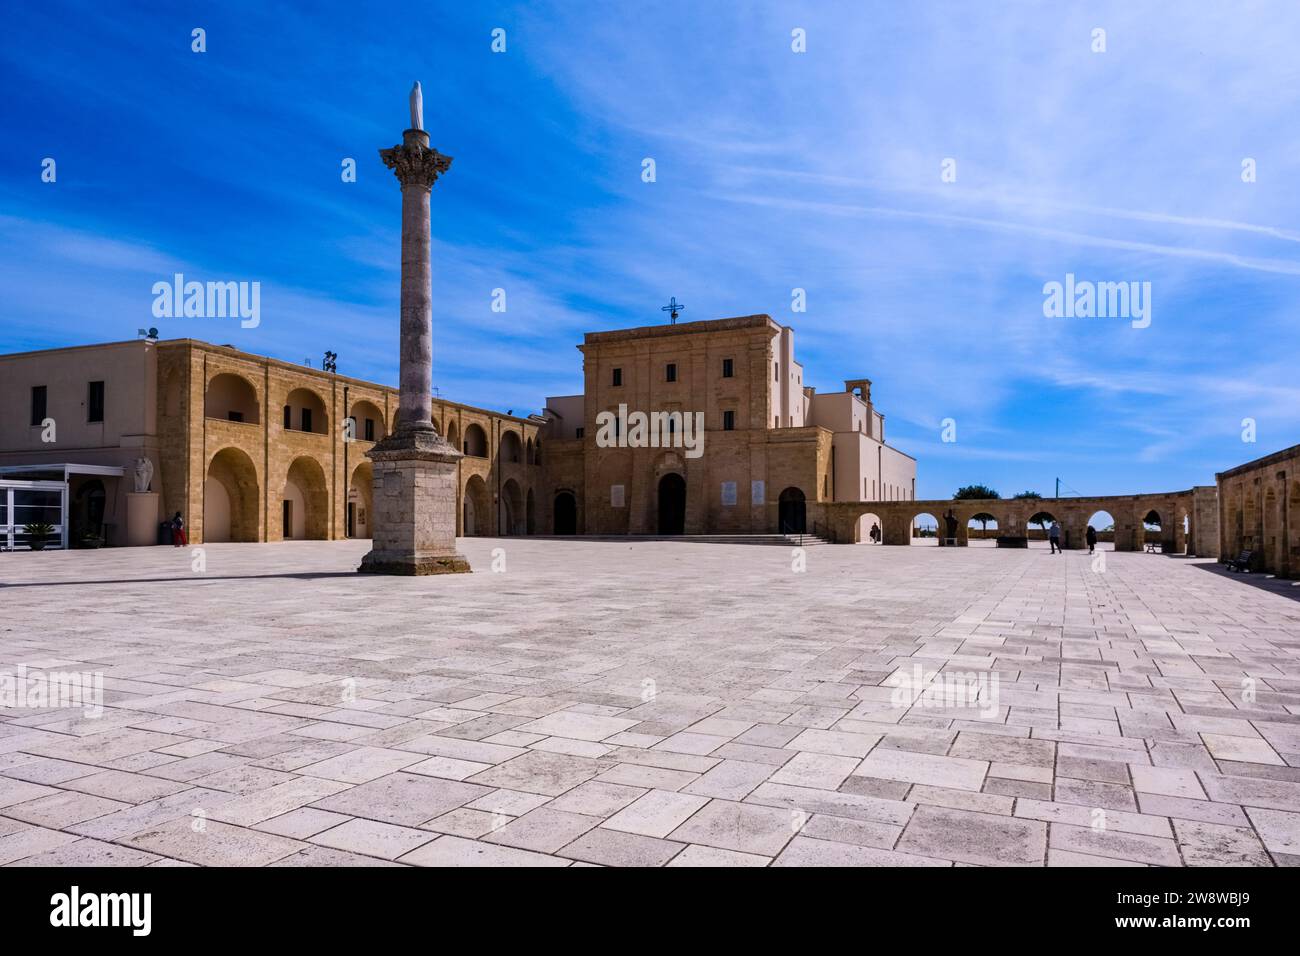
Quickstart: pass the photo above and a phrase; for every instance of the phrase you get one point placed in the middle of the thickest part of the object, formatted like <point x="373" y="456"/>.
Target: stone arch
<point x="528" y="454"/>
<point x="564" y="515"/>
<point x="792" y="511"/>
<point x="305" y="411"/>
<point x="361" y="502"/>
<point x="1038" y="519"/>
<point x="230" y="498"/>
<point x="476" y="443"/>
<point x="671" y="494"/>
<point x="452" y="435"/>
<point x="865" y="523"/>
<point x="923" y="528"/>
<point x="1103" y="522"/>
<point x="982" y="527"/>
<point x="530" y="514"/>
<point x="537" y="453"/>
<point x="511" y="515"/>
<point x="231" y="397"/>
<point x="477" y="507"/>
<point x="304" y="504"/>
<point x="511" y="449"/>
<point x="364" y="411"/>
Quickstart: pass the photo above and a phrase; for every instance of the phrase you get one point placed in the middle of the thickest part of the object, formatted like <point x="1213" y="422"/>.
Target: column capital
<point x="414" y="162"/>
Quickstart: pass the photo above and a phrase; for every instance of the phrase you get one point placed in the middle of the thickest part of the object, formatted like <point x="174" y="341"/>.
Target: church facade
<point x="767" y="445"/>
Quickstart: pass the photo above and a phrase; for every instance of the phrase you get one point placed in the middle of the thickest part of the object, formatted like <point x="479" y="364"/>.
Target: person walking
<point x="1054" y="538"/>
<point x="1091" y="537"/>
<point x="875" y="533"/>
<point x="178" y="531"/>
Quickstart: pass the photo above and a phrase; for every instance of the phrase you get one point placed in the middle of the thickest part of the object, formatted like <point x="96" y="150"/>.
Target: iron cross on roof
<point x="672" y="308"/>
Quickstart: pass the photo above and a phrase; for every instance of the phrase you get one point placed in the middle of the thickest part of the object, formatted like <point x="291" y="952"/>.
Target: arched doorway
<point x="477" y="512"/>
<point x="792" y="512"/>
<point x="304" y="506"/>
<point x="672" y="504"/>
<point x="924" y="529"/>
<point x="512" y="507"/>
<point x="982" y="530"/>
<point x="230" y="509"/>
<point x="566" y="514"/>
<point x="530" y="518"/>
<point x="1036" y="529"/>
<point x="1153" y="526"/>
<point x="231" y="397"/>
<point x="361" y="501"/>
<point x="304" y="411"/>
<point x="868" y="523"/>
<point x="476" y="443"/>
<point x="1102" y="523"/>
<point x="511" y="450"/>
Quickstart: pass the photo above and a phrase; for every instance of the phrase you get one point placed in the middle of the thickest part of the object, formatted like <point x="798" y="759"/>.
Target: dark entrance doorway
<point x="566" y="514"/>
<point x="792" y="512"/>
<point x="672" y="504"/>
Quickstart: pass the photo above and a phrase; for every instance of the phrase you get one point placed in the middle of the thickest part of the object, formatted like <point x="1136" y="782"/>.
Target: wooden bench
<point x="1242" y="562"/>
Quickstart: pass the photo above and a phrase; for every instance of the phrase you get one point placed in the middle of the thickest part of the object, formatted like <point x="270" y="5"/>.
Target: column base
<point x="413" y="506"/>
<point x="393" y="562"/>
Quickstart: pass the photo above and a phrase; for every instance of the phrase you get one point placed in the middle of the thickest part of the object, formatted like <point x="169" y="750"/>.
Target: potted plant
<point x="39" y="531"/>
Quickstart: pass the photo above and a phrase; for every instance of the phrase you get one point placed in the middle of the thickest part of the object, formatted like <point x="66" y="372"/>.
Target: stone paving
<point x="651" y="704"/>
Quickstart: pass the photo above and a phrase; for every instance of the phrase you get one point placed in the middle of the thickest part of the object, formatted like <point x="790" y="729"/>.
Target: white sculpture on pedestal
<point x="143" y="474"/>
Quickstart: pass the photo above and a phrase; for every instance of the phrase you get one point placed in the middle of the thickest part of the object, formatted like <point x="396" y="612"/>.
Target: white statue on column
<point x="417" y="107"/>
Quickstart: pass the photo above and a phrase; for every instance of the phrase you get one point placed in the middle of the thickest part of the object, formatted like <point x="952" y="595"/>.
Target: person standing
<point x="1091" y="537"/>
<point x="875" y="533"/>
<point x="1054" y="537"/>
<point x="178" y="531"/>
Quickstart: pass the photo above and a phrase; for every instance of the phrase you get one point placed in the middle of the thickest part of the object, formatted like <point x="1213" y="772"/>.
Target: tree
<point x="967" y="492"/>
<point x="983" y="518"/>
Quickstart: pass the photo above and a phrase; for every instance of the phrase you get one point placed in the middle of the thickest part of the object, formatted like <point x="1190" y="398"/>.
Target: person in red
<point x="178" y="531"/>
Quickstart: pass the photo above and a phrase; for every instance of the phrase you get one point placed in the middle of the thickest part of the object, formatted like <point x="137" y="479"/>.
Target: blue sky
<point x="775" y="170"/>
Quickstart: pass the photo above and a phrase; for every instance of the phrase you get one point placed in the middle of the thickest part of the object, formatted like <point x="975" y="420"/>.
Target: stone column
<point x="414" y="498"/>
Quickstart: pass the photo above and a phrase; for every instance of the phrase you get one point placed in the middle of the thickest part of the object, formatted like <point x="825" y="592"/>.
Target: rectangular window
<point x="38" y="404"/>
<point x="306" y="419"/>
<point x="671" y="372"/>
<point x="579" y="432"/>
<point x="776" y="372"/>
<point x="370" y="429"/>
<point x="728" y="421"/>
<point x="95" y="402"/>
<point x="288" y="416"/>
<point x="776" y="421"/>
<point x="728" y="368"/>
<point x="618" y="376"/>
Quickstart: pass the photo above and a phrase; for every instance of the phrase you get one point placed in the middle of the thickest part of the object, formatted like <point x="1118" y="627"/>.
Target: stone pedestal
<point x="141" y="518"/>
<point x="414" y="506"/>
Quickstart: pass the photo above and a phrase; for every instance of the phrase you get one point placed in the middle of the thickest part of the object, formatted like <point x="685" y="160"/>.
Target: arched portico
<point x="1010" y="516"/>
<point x="230" y="498"/>
<point x="304" y="503"/>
